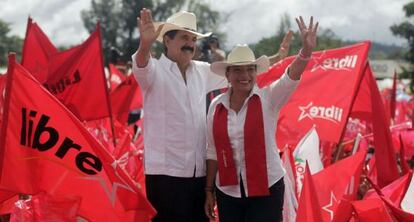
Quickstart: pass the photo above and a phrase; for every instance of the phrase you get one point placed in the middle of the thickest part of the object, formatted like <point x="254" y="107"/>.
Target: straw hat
<point x="185" y="21"/>
<point x="240" y="55"/>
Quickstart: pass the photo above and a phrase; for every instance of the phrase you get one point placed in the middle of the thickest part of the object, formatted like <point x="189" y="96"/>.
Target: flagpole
<point x="5" y="114"/>
<point x="108" y="99"/>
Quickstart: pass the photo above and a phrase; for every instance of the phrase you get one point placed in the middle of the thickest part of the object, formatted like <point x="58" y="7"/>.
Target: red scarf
<point x="254" y="149"/>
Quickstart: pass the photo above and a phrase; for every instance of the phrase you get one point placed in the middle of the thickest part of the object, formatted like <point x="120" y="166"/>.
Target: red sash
<point x="254" y="149"/>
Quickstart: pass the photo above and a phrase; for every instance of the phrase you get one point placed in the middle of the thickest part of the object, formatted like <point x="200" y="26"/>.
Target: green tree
<point x="270" y="45"/>
<point x="8" y="43"/>
<point x="406" y="30"/>
<point x="119" y="24"/>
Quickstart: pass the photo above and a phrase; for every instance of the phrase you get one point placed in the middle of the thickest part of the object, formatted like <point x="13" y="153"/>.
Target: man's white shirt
<point x="175" y="116"/>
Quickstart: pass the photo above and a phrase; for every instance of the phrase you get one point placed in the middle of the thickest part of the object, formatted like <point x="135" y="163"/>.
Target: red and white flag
<point x="307" y="150"/>
<point x="290" y="200"/>
<point x="338" y="181"/>
<point x="324" y="95"/>
<point x="407" y="203"/>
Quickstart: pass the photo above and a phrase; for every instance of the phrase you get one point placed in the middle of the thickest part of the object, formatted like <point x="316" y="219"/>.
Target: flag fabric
<point x="338" y="181"/>
<point x="43" y="207"/>
<point x="51" y="151"/>
<point x="124" y="98"/>
<point x="368" y="105"/>
<point x="371" y="210"/>
<point x="324" y="95"/>
<point x="75" y="76"/>
<point x="393" y="100"/>
<point x="290" y="200"/>
<point x="405" y="168"/>
<point x="307" y="150"/>
<point x="308" y="209"/>
<point x="116" y="77"/>
<point x="408" y="140"/>
<point x="7" y="200"/>
<point x="2" y="88"/>
<point x="391" y="196"/>
<point x="37" y="51"/>
<point x="407" y="203"/>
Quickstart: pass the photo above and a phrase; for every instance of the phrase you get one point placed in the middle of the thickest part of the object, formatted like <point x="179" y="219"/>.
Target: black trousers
<point x="252" y="209"/>
<point x="176" y="199"/>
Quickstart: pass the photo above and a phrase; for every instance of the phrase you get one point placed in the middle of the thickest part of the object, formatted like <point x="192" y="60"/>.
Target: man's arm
<point x="283" y="50"/>
<point x="148" y="35"/>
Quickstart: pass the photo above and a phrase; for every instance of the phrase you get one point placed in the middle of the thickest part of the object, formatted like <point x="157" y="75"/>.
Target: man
<point x="174" y="89"/>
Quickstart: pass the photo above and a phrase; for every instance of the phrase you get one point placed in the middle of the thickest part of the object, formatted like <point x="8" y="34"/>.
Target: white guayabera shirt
<point x="175" y="116"/>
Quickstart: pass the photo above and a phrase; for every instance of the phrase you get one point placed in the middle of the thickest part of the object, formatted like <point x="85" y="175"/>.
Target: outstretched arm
<point x="148" y="35"/>
<point x="283" y="50"/>
<point x="308" y="37"/>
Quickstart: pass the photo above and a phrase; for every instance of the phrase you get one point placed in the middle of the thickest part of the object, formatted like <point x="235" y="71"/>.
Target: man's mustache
<point x="187" y="48"/>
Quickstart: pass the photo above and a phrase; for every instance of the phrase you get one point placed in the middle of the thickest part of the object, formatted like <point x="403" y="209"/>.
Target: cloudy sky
<point x="249" y="20"/>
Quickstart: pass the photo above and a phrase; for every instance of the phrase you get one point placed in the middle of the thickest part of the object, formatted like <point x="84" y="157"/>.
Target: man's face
<point x="182" y="47"/>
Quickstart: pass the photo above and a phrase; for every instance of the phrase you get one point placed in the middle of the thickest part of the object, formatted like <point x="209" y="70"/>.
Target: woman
<point x="241" y="147"/>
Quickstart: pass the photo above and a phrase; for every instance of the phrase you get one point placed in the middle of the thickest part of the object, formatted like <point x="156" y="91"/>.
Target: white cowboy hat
<point x="185" y="21"/>
<point x="240" y="55"/>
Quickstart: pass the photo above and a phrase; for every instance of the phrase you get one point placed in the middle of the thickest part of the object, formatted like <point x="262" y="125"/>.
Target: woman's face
<point x="242" y="78"/>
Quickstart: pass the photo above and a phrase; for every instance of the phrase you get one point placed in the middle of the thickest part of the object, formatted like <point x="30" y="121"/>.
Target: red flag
<point x="324" y="95"/>
<point x="123" y="96"/>
<point x="76" y="77"/>
<point x="408" y="138"/>
<point x="371" y="210"/>
<point x="7" y="204"/>
<point x="393" y="96"/>
<point x="116" y="77"/>
<point x="308" y="209"/>
<point x="368" y="105"/>
<point x="403" y="162"/>
<point x="43" y="207"/>
<point x="2" y="88"/>
<point x="339" y="180"/>
<point x="398" y="188"/>
<point x="37" y="51"/>
<point x="394" y="191"/>
<point x="49" y="150"/>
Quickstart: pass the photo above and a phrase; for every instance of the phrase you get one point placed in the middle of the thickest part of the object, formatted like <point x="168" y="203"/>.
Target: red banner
<point x="37" y="51"/>
<point x="324" y="95"/>
<point x="124" y="97"/>
<point x="43" y="147"/>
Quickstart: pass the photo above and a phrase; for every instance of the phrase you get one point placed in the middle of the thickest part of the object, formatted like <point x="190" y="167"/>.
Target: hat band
<point x="189" y="29"/>
<point x="243" y="62"/>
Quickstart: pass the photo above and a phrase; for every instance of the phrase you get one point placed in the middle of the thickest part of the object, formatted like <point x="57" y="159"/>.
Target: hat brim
<point x="262" y="65"/>
<point x="169" y="27"/>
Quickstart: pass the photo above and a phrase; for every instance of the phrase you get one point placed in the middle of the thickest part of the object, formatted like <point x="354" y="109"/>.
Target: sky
<point x="248" y="21"/>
